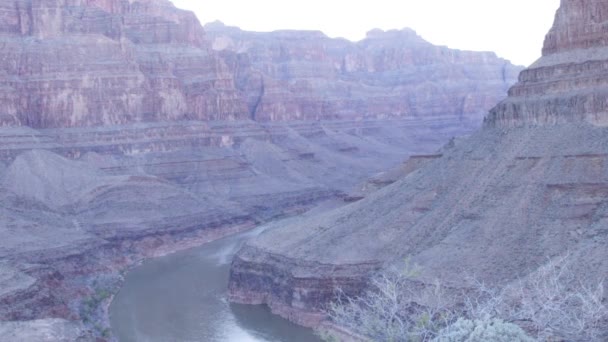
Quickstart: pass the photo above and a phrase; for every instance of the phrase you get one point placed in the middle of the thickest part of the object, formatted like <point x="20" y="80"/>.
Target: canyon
<point x="130" y="131"/>
<point x="146" y="61"/>
<point x="529" y="186"/>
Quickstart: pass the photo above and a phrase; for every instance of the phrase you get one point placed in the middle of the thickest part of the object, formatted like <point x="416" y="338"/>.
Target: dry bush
<point x="552" y="303"/>
<point x="388" y="311"/>
<point x="487" y="330"/>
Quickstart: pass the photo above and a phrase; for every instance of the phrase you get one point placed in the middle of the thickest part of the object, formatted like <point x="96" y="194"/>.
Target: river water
<point x="181" y="297"/>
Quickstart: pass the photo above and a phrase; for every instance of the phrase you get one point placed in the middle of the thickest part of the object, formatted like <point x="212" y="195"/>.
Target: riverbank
<point x="167" y="247"/>
<point x="81" y="283"/>
<point x="183" y="297"/>
<point x="126" y="255"/>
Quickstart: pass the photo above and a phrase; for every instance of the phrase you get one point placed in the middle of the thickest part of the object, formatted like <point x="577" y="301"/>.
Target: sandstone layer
<point x="527" y="187"/>
<point x="109" y="62"/>
<point x="127" y="132"/>
<point x="569" y="84"/>
<point x="306" y="75"/>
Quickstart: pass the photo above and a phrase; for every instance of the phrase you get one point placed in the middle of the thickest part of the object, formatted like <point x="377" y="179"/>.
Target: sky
<point x="514" y="29"/>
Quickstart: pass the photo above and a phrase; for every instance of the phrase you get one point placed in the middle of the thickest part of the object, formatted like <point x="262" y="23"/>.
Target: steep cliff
<point x="91" y="63"/>
<point x="495" y="205"/>
<point x="306" y="75"/>
<point x="109" y="62"/>
<point x="569" y="83"/>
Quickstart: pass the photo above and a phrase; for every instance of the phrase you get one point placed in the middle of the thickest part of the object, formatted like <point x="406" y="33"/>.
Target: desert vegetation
<point x="552" y="303"/>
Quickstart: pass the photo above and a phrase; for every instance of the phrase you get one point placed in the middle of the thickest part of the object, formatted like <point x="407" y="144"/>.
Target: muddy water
<point x="181" y="297"/>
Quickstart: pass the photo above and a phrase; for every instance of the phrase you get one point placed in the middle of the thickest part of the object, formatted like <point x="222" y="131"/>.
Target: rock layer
<point x="95" y="63"/>
<point x="92" y="63"/>
<point x="306" y="75"/>
<point x="496" y="206"/>
<point x="569" y="83"/>
<point x="527" y="187"/>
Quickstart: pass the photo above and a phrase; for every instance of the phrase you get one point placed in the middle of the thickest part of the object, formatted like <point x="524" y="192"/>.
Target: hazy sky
<point x="514" y="29"/>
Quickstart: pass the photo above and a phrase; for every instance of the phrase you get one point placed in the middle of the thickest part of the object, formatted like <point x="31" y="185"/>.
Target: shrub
<point x="553" y="302"/>
<point x="494" y="330"/>
<point x="388" y="311"/>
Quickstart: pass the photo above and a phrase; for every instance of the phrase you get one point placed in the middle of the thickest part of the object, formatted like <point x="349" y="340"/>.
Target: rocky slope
<point x="127" y="132"/>
<point x="531" y="185"/>
<point x="80" y="206"/>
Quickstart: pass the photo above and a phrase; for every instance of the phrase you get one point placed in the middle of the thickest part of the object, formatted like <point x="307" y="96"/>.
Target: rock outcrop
<point x="306" y="75"/>
<point x="529" y="186"/>
<point x="569" y="83"/>
<point x="92" y="63"/>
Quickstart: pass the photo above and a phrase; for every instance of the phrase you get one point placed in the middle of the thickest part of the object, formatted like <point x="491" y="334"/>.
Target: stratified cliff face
<point x="108" y="62"/>
<point x="306" y="75"/>
<point x="92" y="63"/>
<point x="578" y="25"/>
<point x="142" y="21"/>
<point x="495" y="205"/>
<point x="569" y="83"/>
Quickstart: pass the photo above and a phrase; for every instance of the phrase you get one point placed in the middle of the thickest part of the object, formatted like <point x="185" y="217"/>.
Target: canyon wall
<point x="306" y="75"/>
<point x="569" y="83"/>
<point x="94" y="63"/>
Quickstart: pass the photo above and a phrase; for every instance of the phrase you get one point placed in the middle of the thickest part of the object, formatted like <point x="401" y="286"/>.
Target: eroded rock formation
<point x="569" y="83"/>
<point x="91" y="63"/>
<point x="306" y="75"/>
<point x="531" y="185"/>
<point x="94" y="63"/>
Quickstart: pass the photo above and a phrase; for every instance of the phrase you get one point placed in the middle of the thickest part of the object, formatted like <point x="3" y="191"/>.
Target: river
<point x="181" y="297"/>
